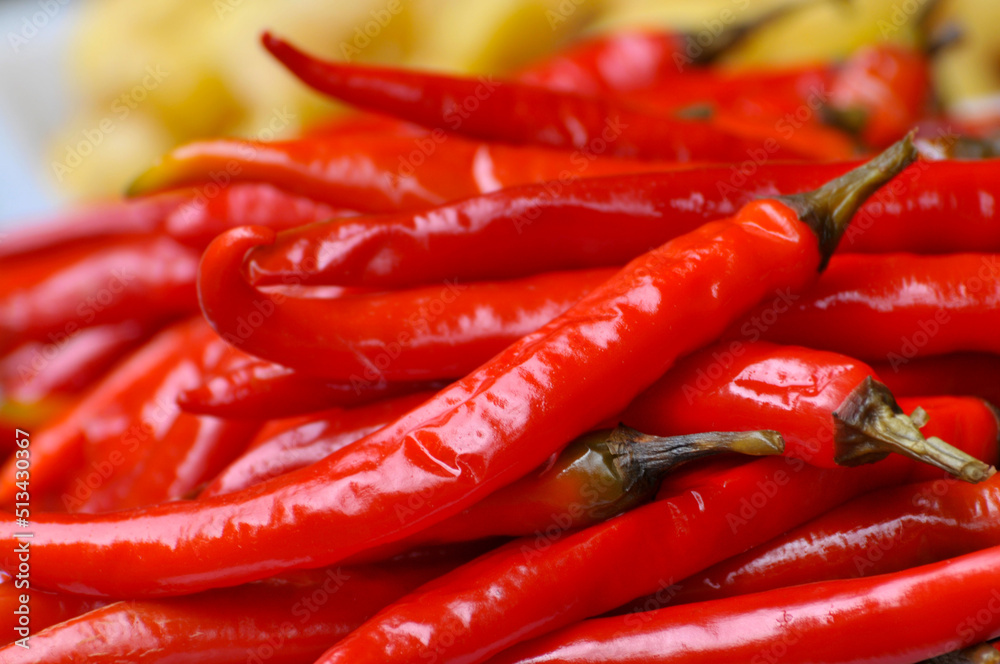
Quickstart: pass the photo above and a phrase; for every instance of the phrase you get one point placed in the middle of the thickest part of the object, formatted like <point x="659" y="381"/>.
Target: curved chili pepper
<point x="246" y="387"/>
<point x="831" y="409"/>
<point x="274" y="621"/>
<point x="973" y="374"/>
<point x="101" y="221"/>
<point x="480" y="433"/>
<point x="598" y="222"/>
<point x="892" y="619"/>
<point x="379" y="174"/>
<point x="888" y="531"/>
<point x="282" y="446"/>
<point x="892" y="308"/>
<point x="516" y="113"/>
<point x="530" y="587"/>
<point x="429" y="333"/>
<point x="148" y="280"/>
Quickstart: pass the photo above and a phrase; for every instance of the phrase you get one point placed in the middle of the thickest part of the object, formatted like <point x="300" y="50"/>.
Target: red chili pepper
<point x="101" y="221"/>
<point x="627" y="61"/>
<point x="379" y="174"/>
<point x="282" y="446"/>
<point x="197" y="221"/>
<point x="428" y="333"/>
<point x="484" y="431"/>
<point x="608" y="221"/>
<point x="831" y="409"/>
<point x="973" y="374"/>
<point x="147" y="280"/>
<point x="139" y="448"/>
<point x="891" y="308"/>
<point x="530" y="587"/>
<point x="44" y="609"/>
<point x="245" y="387"/>
<point x="892" y="619"/>
<point x="65" y="366"/>
<point x="513" y="112"/>
<point x="888" y="531"/>
<point x="274" y="621"/>
<point x="887" y="87"/>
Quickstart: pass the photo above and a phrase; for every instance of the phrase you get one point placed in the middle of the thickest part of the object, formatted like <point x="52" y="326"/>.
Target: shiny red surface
<point x="475" y="436"/>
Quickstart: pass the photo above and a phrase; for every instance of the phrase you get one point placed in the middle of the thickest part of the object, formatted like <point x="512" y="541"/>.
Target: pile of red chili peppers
<point x="478" y="374"/>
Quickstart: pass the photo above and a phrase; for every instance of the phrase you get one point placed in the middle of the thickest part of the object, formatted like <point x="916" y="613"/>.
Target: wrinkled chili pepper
<point x="147" y="280"/>
<point x="379" y="174"/>
<point x="973" y="374"/>
<point x="289" y="621"/>
<point x="284" y="445"/>
<point x="608" y="221"/>
<point x="893" y="619"/>
<point x="482" y="432"/>
<point x="531" y="587"/>
<point x="831" y="409"/>
<point x="428" y="333"/>
<point x="513" y="112"/>
<point x="891" y="308"/>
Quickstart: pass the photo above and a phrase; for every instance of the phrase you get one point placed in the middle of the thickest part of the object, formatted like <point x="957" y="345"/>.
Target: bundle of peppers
<point x="476" y="375"/>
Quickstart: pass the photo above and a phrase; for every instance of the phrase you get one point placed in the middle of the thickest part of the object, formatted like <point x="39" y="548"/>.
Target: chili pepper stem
<point x="869" y="425"/>
<point x="641" y="458"/>
<point x="829" y="209"/>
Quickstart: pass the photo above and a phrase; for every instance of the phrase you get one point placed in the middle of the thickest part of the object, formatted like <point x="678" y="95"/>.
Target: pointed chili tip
<point x="829" y="209"/>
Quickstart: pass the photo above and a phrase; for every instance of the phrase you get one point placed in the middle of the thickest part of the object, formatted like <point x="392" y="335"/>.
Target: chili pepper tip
<point x="829" y="209"/>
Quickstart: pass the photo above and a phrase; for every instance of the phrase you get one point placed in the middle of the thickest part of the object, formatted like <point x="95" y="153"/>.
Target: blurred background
<point x="93" y="91"/>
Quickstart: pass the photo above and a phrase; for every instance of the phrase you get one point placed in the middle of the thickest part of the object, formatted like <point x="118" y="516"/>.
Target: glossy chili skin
<point x="282" y="446"/>
<point x="347" y="503"/>
<point x="147" y="280"/>
<point x="597" y="222"/>
<point x="249" y="388"/>
<point x="45" y="608"/>
<point x="892" y="308"/>
<point x="880" y="533"/>
<point x="516" y="113"/>
<point x="140" y="448"/>
<point x="531" y="587"/>
<point x="735" y="386"/>
<point x="210" y="210"/>
<point x="378" y="174"/>
<point x="889" y="85"/>
<point x="429" y="333"/>
<point x="610" y="64"/>
<point x="973" y="374"/>
<point x="289" y="621"/>
<point x="891" y="619"/>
